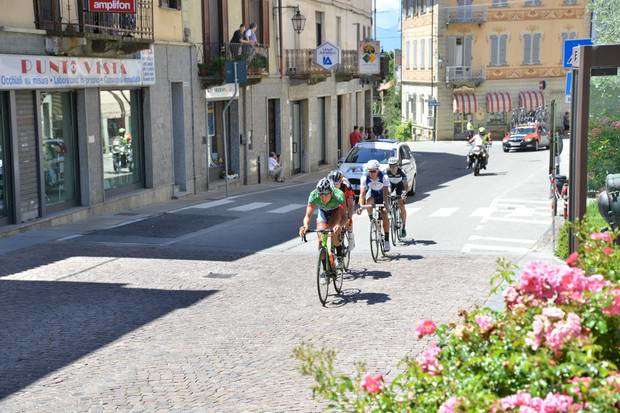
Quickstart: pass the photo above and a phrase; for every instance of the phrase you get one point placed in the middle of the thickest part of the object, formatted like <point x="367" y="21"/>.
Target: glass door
<point x="59" y="150"/>
<point x="4" y="165"/>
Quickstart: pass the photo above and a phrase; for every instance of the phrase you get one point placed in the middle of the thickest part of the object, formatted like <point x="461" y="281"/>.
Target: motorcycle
<point x="477" y="159"/>
<point x="122" y="155"/>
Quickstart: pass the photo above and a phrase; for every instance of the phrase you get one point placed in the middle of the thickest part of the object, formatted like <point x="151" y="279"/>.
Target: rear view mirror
<point x="341" y="161"/>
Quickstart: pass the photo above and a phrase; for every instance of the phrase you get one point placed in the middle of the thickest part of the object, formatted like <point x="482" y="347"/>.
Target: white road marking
<point x="523" y="221"/>
<point x="207" y="205"/>
<point x="524" y="201"/>
<point x="479" y="228"/>
<point x="468" y="248"/>
<point x="481" y="212"/>
<point x="67" y="238"/>
<point x="287" y="208"/>
<point x="498" y="239"/>
<point x="249" y="207"/>
<point x="412" y="210"/>
<point x="443" y="212"/>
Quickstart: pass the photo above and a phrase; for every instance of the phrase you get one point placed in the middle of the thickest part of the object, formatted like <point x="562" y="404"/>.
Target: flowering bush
<point x="555" y="348"/>
<point x="603" y="150"/>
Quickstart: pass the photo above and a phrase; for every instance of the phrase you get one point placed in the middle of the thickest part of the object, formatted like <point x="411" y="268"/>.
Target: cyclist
<point x="375" y="189"/>
<point x="327" y="199"/>
<point x="339" y="181"/>
<point x="398" y="184"/>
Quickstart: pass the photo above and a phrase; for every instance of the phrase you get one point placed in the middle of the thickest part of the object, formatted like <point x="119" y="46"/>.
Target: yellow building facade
<point x="482" y="61"/>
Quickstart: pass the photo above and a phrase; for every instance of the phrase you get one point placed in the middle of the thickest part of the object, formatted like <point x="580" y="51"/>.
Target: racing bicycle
<point x="396" y="221"/>
<point x="327" y="269"/>
<point x="376" y="231"/>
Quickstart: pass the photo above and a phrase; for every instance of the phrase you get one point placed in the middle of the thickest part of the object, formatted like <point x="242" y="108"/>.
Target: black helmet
<point x="335" y="176"/>
<point x="324" y="186"/>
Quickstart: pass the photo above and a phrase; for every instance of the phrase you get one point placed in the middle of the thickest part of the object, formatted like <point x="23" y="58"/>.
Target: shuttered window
<point x="422" y="53"/>
<point x="467" y="42"/>
<point x="408" y="54"/>
<point x="415" y="54"/>
<point x="451" y="51"/>
<point x="430" y="53"/>
<point x="527" y="49"/>
<point x="536" y="48"/>
<point x="503" y="44"/>
<point x="494" y="50"/>
<point x="498" y="49"/>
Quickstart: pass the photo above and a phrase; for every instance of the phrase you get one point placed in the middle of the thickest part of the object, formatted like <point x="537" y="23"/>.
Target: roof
<point x="379" y="144"/>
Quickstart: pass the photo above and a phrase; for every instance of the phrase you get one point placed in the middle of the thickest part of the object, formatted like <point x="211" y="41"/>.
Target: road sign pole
<point x="225" y="136"/>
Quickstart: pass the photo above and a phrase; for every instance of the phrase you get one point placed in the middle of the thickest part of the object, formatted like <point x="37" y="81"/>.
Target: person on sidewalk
<point x="470" y="128"/>
<point x="354" y="137"/>
<point x="275" y="169"/>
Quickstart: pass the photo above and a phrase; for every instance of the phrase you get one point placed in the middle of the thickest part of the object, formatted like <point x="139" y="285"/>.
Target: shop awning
<point x="464" y="103"/>
<point x="498" y="102"/>
<point x="531" y="100"/>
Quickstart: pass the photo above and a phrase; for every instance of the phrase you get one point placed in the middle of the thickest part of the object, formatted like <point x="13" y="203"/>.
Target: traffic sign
<point x="568" y="47"/>
<point x="568" y="87"/>
<point x="242" y="71"/>
<point x="433" y="103"/>
<point x="327" y="55"/>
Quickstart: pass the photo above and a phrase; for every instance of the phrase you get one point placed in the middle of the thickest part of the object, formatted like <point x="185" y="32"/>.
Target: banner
<point x="55" y="72"/>
<point x="369" y="58"/>
<point x="112" y="6"/>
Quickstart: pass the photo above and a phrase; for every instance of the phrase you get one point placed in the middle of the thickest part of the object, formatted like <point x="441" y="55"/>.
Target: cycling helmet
<point x="372" y="165"/>
<point x="393" y="161"/>
<point x="324" y="186"/>
<point x="482" y="131"/>
<point x="335" y="176"/>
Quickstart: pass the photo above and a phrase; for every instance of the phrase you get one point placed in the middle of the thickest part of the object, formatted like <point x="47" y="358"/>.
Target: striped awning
<point x="464" y="103"/>
<point x="531" y="100"/>
<point x="498" y="102"/>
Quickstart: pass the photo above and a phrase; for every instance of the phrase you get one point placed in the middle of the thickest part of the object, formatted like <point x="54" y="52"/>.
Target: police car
<point x="352" y="165"/>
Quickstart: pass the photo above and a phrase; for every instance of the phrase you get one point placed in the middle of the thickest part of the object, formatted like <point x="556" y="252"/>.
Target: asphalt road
<point x="199" y="309"/>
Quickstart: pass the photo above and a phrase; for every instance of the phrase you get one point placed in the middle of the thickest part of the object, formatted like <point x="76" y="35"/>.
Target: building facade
<point x="104" y="110"/>
<point x="481" y="62"/>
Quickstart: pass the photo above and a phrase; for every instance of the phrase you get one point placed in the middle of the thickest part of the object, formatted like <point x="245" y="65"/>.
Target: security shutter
<point x="527" y="48"/>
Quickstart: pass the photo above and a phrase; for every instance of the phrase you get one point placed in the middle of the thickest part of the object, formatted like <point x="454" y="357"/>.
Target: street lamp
<point x="299" y="21"/>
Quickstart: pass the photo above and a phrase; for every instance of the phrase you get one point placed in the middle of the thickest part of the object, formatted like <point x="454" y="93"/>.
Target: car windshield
<point x="526" y="131"/>
<point x="362" y="155"/>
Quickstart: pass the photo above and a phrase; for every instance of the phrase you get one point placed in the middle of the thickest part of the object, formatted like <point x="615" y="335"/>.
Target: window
<point x="410" y="5"/>
<point x="319" y="28"/>
<point x="570" y="2"/>
<point x="500" y="3"/>
<point x="531" y="48"/>
<point x="408" y="54"/>
<point x="430" y="53"/>
<point x="413" y="102"/>
<point x="423" y="54"/>
<point x="415" y="54"/>
<point x="170" y="4"/>
<point x="531" y="3"/>
<point x="423" y="6"/>
<point x="357" y="34"/>
<point x="569" y="35"/>
<point x="121" y="135"/>
<point x="418" y="6"/>
<point x="404" y="152"/>
<point x="339" y="31"/>
<point x="498" y="49"/>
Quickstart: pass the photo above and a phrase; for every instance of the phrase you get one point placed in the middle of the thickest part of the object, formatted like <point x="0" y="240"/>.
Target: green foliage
<point x="504" y="275"/>
<point x="603" y="145"/>
<point x="403" y="131"/>
<point x="592" y="222"/>
<point x="606" y="21"/>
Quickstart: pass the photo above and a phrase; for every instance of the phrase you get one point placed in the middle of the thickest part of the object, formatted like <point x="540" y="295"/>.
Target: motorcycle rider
<point x="480" y="139"/>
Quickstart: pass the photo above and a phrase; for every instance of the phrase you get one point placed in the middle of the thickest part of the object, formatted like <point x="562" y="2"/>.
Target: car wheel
<point x="506" y="149"/>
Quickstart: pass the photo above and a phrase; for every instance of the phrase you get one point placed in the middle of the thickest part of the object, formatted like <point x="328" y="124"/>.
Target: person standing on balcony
<point x="250" y="35"/>
<point x="237" y="40"/>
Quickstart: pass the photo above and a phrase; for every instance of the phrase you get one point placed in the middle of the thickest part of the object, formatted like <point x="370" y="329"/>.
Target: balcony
<point x="75" y="30"/>
<point x="300" y="65"/>
<point x="212" y="60"/>
<point x="463" y="76"/>
<point x="348" y="67"/>
<point x="466" y="14"/>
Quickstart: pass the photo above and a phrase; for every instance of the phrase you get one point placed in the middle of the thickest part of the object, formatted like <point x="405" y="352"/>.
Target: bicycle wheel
<point x="399" y="231"/>
<point x="322" y="279"/>
<point x="374" y="241"/>
<point x="346" y="260"/>
<point x="337" y="277"/>
<point x="395" y="225"/>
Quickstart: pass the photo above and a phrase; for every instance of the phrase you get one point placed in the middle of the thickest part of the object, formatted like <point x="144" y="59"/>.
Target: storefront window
<point x="4" y="169"/>
<point x="121" y="136"/>
<point x="59" y="149"/>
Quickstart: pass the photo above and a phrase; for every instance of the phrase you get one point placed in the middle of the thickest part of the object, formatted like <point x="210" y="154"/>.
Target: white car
<point x="352" y="165"/>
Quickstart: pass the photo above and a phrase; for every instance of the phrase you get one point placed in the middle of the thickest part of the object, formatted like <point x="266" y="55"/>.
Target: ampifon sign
<point x="54" y="72"/>
<point x="112" y="6"/>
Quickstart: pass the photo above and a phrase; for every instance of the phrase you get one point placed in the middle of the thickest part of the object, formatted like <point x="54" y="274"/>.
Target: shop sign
<point x="327" y="55"/>
<point x="223" y="92"/>
<point x="369" y="58"/>
<point x="112" y="6"/>
<point x="56" y="72"/>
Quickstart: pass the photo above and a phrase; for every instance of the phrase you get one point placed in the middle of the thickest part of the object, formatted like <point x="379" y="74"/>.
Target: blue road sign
<point x="433" y="103"/>
<point x="568" y="46"/>
<point x="569" y="86"/>
<point x="242" y="71"/>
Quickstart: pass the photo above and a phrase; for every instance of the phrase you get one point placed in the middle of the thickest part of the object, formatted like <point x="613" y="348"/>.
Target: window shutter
<point x="422" y="54"/>
<point x="415" y="54"/>
<point x="536" y="48"/>
<point x="451" y="51"/>
<point x="503" y="43"/>
<point x="408" y="53"/>
<point x="178" y="4"/>
<point x="467" y="42"/>
<point x="494" y="50"/>
<point x="265" y="22"/>
<point x="527" y="48"/>
<point x="430" y="53"/>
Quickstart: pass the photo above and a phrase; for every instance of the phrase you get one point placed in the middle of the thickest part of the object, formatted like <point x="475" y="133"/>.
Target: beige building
<point x="482" y="61"/>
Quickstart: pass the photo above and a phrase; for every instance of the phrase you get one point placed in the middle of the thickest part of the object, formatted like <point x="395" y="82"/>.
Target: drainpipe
<point x="433" y="71"/>
<point x="281" y="39"/>
<point x="193" y="65"/>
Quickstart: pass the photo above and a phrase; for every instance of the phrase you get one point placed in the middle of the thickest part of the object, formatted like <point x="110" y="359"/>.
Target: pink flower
<point x="614" y="381"/>
<point x="608" y="250"/>
<point x="372" y="384"/>
<point x="580" y="382"/>
<point x="553" y="313"/>
<point x="614" y="308"/>
<point x="485" y="322"/>
<point x="427" y="360"/>
<point x="603" y="236"/>
<point x="563" y="331"/>
<point x="616" y="124"/>
<point x="525" y="403"/>
<point x="449" y="406"/>
<point x="511" y="296"/>
<point x="425" y="327"/>
<point x="572" y="259"/>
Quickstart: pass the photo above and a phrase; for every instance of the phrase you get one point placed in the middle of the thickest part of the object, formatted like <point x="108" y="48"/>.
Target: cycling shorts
<point x="325" y="215"/>
<point x="398" y="188"/>
<point x="377" y="196"/>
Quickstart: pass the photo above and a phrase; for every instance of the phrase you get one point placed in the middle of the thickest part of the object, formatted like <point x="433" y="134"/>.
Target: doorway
<point x="178" y="137"/>
<point x="273" y="122"/>
<point x="297" y="137"/>
<point x="339" y="123"/>
<point x="5" y="168"/>
<point x="322" y="132"/>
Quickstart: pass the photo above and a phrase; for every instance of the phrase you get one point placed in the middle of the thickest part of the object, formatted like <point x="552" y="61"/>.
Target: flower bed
<point x="554" y="348"/>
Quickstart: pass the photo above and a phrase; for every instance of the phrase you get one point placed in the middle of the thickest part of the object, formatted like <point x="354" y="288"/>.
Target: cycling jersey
<point x="334" y="202"/>
<point x="374" y="187"/>
<point x="397" y="180"/>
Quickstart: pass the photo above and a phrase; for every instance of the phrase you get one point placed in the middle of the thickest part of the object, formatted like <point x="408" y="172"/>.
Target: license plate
<point x="515" y="143"/>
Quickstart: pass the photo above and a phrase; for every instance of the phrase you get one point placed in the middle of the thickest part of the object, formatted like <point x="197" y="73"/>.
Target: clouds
<point x="388" y="5"/>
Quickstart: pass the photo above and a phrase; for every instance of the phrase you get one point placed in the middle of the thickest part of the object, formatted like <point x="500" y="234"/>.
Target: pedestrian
<point x="566" y="123"/>
<point x="355" y="136"/>
<point x="275" y="169"/>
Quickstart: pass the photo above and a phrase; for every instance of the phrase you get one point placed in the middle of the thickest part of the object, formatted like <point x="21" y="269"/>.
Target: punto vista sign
<point x="112" y="6"/>
<point x="52" y="72"/>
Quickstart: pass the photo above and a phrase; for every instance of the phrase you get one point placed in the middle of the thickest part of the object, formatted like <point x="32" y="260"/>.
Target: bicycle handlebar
<point x="318" y="231"/>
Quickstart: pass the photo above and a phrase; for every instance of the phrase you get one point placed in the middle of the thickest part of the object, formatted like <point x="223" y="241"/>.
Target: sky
<point x="388" y="24"/>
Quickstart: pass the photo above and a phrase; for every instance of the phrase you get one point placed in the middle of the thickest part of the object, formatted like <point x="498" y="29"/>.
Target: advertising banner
<point x="112" y="6"/>
<point x="56" y="72"/>
<point x="369" y="58"/>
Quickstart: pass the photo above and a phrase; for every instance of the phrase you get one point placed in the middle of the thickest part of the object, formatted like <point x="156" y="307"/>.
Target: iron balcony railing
<point x="73" y="18"/>
<point x="456" y="74"/>
<point x="302" y="63"/>
<point x="212" y="58"/>
<point x="348" y="66"/>
<point x="466" y="14"/>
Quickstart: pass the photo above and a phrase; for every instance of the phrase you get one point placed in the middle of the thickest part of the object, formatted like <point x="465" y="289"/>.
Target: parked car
<point x="528" y="136"/>
<point x="352" y="165"/>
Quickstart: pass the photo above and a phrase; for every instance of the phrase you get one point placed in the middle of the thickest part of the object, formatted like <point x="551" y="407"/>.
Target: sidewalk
<point x="27" y="236"/>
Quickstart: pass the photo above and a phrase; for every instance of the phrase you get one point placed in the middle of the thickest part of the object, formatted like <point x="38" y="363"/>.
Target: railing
<point x="72" y="18"/>
<point x="348" y="66"/>
<point x="301" y="63"/>
<point x="455" y="74"/>
<point x="466" y="14"/>
<point x="212" y="58"/>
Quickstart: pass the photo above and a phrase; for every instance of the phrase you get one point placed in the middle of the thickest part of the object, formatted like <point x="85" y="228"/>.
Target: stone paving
<point x="89" y="327"/>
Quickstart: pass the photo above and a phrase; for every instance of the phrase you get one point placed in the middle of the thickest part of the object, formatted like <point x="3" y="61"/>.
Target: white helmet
<point x="393" y="160"/>
<point x="372" y="165"/>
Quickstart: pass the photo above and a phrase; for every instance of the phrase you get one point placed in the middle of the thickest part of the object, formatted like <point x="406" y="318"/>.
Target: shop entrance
<point x="5" y="180"/>
<point x="297" y="146"/>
